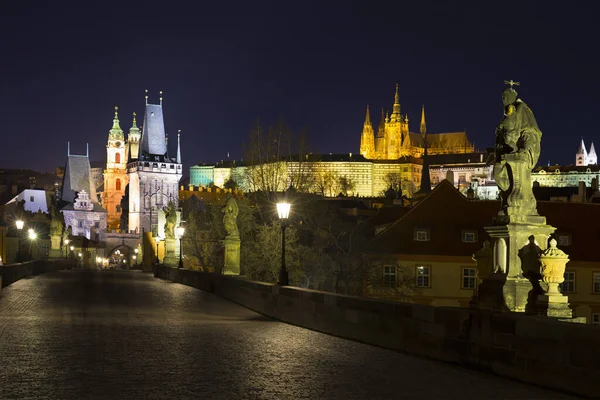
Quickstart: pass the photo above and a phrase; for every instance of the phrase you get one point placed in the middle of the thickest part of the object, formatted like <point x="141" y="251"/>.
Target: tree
<point x="326" y="182"/>
<point x="393" y="180"/>
<point x="346" y="185"/>
<point x="230" y="184"/>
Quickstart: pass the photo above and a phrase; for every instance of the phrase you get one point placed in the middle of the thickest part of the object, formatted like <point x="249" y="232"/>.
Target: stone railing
<point x="11" y="273"/>
<point x="537" y="350"/>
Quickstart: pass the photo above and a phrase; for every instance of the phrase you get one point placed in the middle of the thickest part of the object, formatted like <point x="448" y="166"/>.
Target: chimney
<point x="450" y="176"/>
<point x="595" y="184"/>
<point x="14" y="190"/>
<point x="581" y="192"/>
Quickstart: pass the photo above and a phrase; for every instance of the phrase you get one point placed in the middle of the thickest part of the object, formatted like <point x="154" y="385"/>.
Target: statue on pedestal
<point x="231" y="211"/>
<point x="171" y="220"/>
<point x="518" y="141"/>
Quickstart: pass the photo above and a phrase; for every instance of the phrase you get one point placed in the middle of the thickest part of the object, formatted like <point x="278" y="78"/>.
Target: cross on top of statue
<point x="512" y="83"/>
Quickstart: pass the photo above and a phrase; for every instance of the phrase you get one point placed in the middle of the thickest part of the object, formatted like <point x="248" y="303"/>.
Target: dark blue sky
<point x="316" y="64"/>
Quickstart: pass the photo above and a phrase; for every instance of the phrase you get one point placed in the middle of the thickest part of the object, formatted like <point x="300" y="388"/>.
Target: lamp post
<point x="283" y="210"/>
<point x="180" y="232"/>
<point x="20" y="224"/>
<point x="66" y="248"/>
<point x="136" y="251"/>
<point x="32" y="236"/>
<point x="157" y="242"/>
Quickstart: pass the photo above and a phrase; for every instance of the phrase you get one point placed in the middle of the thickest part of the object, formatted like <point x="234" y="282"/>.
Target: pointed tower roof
<point x="396" y="109"/>
<point x="581" y="149"/>
<point x="134" y="128"/>
<point x="381" y="129"/>
<point x="179" y="147"/>
<point x="116" y="133"/>
<point x="153" y="135"/>
<point x="423" y="128"/>
<point x="368" y="117"/>
<point x="592" y="150"/>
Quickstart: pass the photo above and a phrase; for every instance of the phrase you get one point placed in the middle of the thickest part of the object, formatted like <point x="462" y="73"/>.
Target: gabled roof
<point x="153" y="134"/>
<point x="77" y="178"/>
<point x="445" y="213"/>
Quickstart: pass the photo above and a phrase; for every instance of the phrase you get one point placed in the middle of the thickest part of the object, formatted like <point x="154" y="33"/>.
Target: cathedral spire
<point x="423" y="128"/>
<point x="367" y="139"/>
<point x="368" y="117"/>
<point x="179" y="146"/>
<point x="396" y="110"/>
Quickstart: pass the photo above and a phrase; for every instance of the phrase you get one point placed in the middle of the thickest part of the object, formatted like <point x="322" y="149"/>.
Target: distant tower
<point x="592" y="158"/>
<point x="581" y="158"/>
<point x="367" y="140"/>
<point x="115" y="174"/>
<point x="153" y="177"/>
<point x="133" y="140"/>
<point x="423" y="127"/>
<point x="393" y="129"/>
<point x="380" y="139"/>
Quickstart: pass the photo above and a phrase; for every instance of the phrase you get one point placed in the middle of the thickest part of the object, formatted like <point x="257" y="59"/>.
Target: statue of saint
<point x="517" y="151"/>
<point x="56" y="225"/>
<point x="171" y="220"/>
<point x="231" y="211"/>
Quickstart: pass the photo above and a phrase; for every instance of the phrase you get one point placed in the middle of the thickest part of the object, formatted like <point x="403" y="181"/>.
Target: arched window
<point x="118" y="183"/>
<point x="118" y="158"/>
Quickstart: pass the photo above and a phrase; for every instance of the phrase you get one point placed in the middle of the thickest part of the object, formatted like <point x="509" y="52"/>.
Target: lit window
<point x="564" y="239"/>
<point x="469" y="278"/>
<point x="118" y="158"/>
<point x="423" y="276"/>
<point x="389" y="276"/>
<point x="568" y="286"/>
<point x="421" y="235"/>
<point x="596" y="282"/>
<point x="595" y="318"/>
<point x="469" y="236"/>
<point x="118" y="184"/>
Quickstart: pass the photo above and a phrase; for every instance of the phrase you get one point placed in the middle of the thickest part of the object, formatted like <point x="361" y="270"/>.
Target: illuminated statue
<point x="171" y="220"/>
<point x="517" y="151"/>
<point x="231" y="211"/>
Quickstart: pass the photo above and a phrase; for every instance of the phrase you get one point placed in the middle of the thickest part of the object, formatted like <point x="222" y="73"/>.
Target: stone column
<point x="55" y="250"/>
<point x="232" y="255"/>
<point x="171" y="256"/>
<point x="517" y="242"/>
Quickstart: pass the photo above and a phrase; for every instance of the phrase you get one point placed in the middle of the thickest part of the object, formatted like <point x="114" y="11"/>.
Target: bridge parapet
<point x="11" y="273"/>
<point x="539" y="350"/>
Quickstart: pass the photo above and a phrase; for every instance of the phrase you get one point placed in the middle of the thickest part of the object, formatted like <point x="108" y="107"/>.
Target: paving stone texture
<point x="125" y="335"/>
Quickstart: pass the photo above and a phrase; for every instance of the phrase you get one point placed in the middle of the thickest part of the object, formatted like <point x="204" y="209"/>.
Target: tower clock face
<point x="118" y="144"/>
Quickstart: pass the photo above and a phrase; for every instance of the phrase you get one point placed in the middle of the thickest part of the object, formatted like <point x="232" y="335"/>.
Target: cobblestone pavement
<point x="126" y="335"/>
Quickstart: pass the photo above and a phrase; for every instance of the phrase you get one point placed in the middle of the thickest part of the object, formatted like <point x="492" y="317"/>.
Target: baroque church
<point x="394" y="139"/>
<point x="140" y="178"/>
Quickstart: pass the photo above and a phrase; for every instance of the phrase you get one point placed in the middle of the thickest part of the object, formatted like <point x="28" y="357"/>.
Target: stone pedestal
<point x="517" y="242"/>
<point x="55" y="250"/>
<point x="232" y="255"/>
<point x="553" y="303"/>
<point x="171" y="256"/>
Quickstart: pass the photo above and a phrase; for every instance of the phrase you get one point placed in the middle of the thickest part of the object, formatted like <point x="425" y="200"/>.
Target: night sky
<point x="222" y="65"/>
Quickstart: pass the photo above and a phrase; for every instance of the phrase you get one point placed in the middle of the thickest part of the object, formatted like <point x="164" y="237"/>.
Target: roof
<point x="441" y="140"/>
<point x="546" y="193"/>
<point x="458" y="158"/>
<point x="445" y="213"/>
<point x="77" y="178"/>
<point x="153" y="134"/>
<point x="568" y="168"/>
<point x="97" y="208"/>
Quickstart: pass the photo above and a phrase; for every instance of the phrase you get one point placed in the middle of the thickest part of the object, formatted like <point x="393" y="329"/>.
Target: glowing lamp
<point x="283" y="210"/>
<point x="20" y="224"/>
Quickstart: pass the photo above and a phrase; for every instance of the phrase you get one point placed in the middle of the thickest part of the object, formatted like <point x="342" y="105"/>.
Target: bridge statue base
<point x="171" y="255"/>
<point x="232" y="255"/>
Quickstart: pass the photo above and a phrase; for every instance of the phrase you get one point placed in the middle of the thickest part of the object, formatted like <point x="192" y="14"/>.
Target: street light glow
<point x="180" y="230"/>
<point x="20" y="224"/>
<point x="32" y="234"/>
<point x="72" y="248"/>
<point x="283" y="210"/>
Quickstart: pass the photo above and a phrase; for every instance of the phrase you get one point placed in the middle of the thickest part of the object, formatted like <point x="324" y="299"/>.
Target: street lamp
<point x="180" y="232"/>
<point x="66" y="247"/>
<point x="32" y="236"/>
<point x="136" y="251"/>
<point x="157" y="242"/>
<point x="283" y="210"/>
<point x="19" y="223"/>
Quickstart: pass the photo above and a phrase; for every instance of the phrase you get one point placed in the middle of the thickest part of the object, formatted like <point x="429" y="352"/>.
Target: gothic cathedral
<point x="394" y="140"/>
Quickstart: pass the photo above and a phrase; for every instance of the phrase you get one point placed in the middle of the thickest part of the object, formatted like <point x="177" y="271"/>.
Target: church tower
<point x="581" y="158"/>
<point x="115" y="174"/>
<point x="133" y="141"/>
<point x="153" y="176"/>
<point x="393" y="129"/>
<point x="592" y="158"/>
<point x="367" y="140"/>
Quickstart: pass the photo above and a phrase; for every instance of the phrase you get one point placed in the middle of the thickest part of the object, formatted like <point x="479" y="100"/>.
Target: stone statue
<point x="171" y="220"/>
<point x="517" y="151"/>
<point x="231" y="211"/>
<point x="56" y="225"/>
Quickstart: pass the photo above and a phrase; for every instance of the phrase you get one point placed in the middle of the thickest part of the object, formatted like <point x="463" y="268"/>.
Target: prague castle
<point x="394" y="139"/>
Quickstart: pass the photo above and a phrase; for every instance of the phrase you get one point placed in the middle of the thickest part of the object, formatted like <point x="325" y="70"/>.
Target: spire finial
<point x="179" y="146"/>
<point x="87" y="150"/>
<point x="68" y="148"/>
<point x="116" y="112"/>
<point x="368" y="116"/>
<point x="396" y="116"/>
<point x="134" y="114"/>
<point x="161" y="98"/>
<point x="396" y="96"/>
<point x="423" y="125"/>
<point x="146" y="96"/>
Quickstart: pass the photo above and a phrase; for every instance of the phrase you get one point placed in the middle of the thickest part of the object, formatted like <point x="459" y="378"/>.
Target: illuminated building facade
<point x="153" y="175"/>
<point x="394" y="139"/>
<point x="565" y="176"/>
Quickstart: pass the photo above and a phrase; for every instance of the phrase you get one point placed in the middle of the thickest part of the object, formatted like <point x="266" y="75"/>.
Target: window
<point x="564" y="239"/>
<point x="421" y="235"/>
<point x="80" y="224"/>
<point x="118" y="208"/>
<point x="96" y="224"/>
<point x="44" y="250"/>
<point x="31" y="199"/>
<point x="568" y="286"/>
<point x="469" y="236"/>
<point x="118" y="158"/>
<point x="389" y="276"/>
<point x="405" y="169"/>
<point x="597" y="282"/>
<point x="595" y="318"/>
<point x="423" y="276"/>
<point x="118" y="184"/>
<point x="469" y="278"/>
